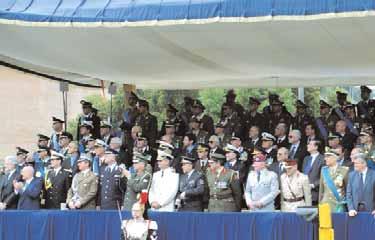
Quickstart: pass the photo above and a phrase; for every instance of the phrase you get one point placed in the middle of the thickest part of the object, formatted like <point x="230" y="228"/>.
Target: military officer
<point x="333" y="180"/>
<point x="253" y="117"/>
<point x="231" y="99"/>
<point x="137" y="227"/>
<point x="164" y="185"/>
<point x="224" y="186"/>
<point x="207" y="123"/>
<point x="366" y="107"/>
<point x="200" y="135"/>
<point x="367" y="142"/>
<point x="202" y="163"/>
<point x="230" y="119"/>
<point x="170" y="132"/>
<point x="57" y="182"/>
<point x="351" y="117"/>
<point x="137" y="182"/>
<point x="147" y="122"/>
<point x="85" y="130"/>
<point x="57" y="126"/>
<point x="302" y="118"/>
<point x="232" y="156"/>
<point x="186" y="114"/>
<point x="42" y="143"/>
<point x="89" y="115"/>
<point x="278" y="115"/>
<point x="43" y="163"/>
<point x="131" y="113"/>
<point x="105" y="132"/>
<point x="111" y="182"/>
<point x="191" y="187"/>
<point x="262" y="186"/>
<point x="295" y="188"/>
<point x="22" y="155"/>
<point x="65" y="139"/>
<point x="173" y="118"/>
<point x="326" y="122"/>
<point x="82" y="194"/>
<point x="223" y="138"/>
<point x="268" y="146"/>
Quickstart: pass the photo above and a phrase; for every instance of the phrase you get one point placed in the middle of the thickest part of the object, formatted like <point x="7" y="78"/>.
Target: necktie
<point x="360" y="187"/>
<point x="308" y="166"/>
<point x="162" y="173"/>
<point x="293" y="151"/>
<point x="258" y="176"/>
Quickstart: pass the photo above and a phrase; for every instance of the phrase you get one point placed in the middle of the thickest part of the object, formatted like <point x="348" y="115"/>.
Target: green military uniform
<point x="135" y="184"/>
<point x="84" y="189"/>
<point x="225" y="191"/>
<point x="339" y="177"/>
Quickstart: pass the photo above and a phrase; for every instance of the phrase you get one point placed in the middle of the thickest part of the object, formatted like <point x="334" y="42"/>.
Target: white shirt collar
<point x="314" y="155"/>
<point x="365" y="172"/>
<point x="86" y="171"/>
<point x="191" y="172"/>
<point x="57" y="169"/>
<point x="29" y="181"/>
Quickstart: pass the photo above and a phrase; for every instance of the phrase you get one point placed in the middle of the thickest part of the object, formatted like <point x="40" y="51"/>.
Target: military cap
<point x="142" y="103"/>
<point x="57" y="120"/>
<point x="100" y="143"/>
<point x="111" y="151"/>
<point x="363" y="133"/>
<point x="198" y="104"/>
<point x="171" y="108"/>
<point x="341" y="94"/>
<point x="349" y="105"/>
<point x="203" y="147"/>
<point x="84" y="157"/>
<point x="105" y="124"/>
<point x="31" y="162"/>
<point x="253" y="100"/>
<point x="164" y="146"/>
<point x="300" y="104"/>
<point x="290" y="162"/>
<point x="140" y="157"/>
<point x="164" y="155"/>
<point x="188" y="100"/>
<point x="334" y="136"/>
<point x="330" y="152"/>
<point x="187" y="159"/>
<point x="277" y="102"/>
<point x="169" y="124"/>
<point x="66" y="135"/>
<point x="90" y="138"/>
<point x="21" y="151"/>
<point x="57" y="156"/>
<point x="259" y="157"/>
<point x="42" y="149"/>
<point x="217" y="157"/>
<point x="87" y="124"/>
<point x="141" y="137"/>
<point x="194" y="119"/>
<point x="258" y="150"/>
<point x="231" y="148"/>
<point x="43" y="137"/>
<point x="231" y="93"/>
<point x="268" y="137"/>
<point x="365" y="89"/>
<point x="272" y="97"/>
<point x="236" y="136"/>
<point x="227" y="104"/>
<point x="85" y="103"/>
<point x="116" y="140"/>
<point x="220" y="125"/>
<point x="133" y="95"/>
<point x="324" y="104"/>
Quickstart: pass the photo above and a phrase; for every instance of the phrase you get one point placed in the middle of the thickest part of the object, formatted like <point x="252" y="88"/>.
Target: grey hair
<point x="11" y="159"/>
<point x="297" y="133"/>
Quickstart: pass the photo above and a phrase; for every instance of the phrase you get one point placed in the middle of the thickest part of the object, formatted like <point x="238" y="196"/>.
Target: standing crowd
<point x="260" y="160"/>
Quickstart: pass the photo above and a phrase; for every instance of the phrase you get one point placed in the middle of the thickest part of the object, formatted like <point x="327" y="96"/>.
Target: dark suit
<point x="277" y="168"/>
<point x="356" y="195"/>
<point x="257" y="120"/>
<point x="284" y="143"/>
<point x="313" y="172"/>
<point x="348" y="141"/>
<point x="56" y="193"/>
<point x="7" y="194"/>
<point x="193" y="187"/>
<point x="29" y="199"/>
<point x="149" y="125"/>
<point x="299" y="155"/>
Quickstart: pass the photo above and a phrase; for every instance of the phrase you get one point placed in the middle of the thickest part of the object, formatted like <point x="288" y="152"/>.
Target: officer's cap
<point x="100" y="143"/>
<point x="43" y="137"/>
<point x="268" y="137"/>
<point x="84" y="157"/>
<point x="57" y="156"/>
<point x="341" y="94"/>
<point x="365" y="89"/>
<point x="86" y="104"/>
<point x="217" y="157"/>
<point x="164" y="155"/>
<point x="87" y="124"/>
<point x="111" y="151"/>
<point x="171" y="108"/>
<point x="21" y="151"/>
<point x="66" y="135"/>
<point x="300" y="104"/>
<point x="324" y="104"/>
<point x="253" y="100"/>
<point x="105" y="124"/>
<point x="187" y="159"/>
<point x="57" y="120"/>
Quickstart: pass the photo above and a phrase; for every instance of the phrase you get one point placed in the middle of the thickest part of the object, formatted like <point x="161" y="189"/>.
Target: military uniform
<point x="192" y="185"/>
<point x="254" y="119"/>
<point x="134" y="186"/>
<point x="139" y="229"/>
<point x="295" y="191"/>
<point x="207" y="122"/>
<point x="91" y="117"/>
<point x="232" y="124"/>
<point x="84" y="189"/>
<point x="366" y="108"/>
<point x="340" y="178"/>
<point x="225" y="191"/>
<point x="111" y="187"/>
<point x="262" y="189"/>
<point x="56" y="187"/>
<point x="149" y="125"/>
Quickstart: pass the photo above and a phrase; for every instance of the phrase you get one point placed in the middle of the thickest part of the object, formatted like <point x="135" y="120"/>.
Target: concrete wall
<point x="27" y="104"/>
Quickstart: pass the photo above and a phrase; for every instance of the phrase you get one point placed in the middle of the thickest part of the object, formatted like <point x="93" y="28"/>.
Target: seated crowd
<point x="250" y="159"/>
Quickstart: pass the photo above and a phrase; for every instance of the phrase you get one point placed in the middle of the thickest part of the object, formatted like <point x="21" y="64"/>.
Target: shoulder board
<point x="67" y="170"/>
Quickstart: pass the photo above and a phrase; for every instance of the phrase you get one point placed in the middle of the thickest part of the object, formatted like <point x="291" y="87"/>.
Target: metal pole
<point x="301" y="94"/>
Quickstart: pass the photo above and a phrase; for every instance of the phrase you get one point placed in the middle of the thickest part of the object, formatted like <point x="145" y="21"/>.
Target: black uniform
<point x="149" y="125"/>
<point x="207" y="123"/>
<point x="301" y="121"/>
<point x="366" y="111"/>
<point x="274" y="119"/>
<point x="193" y="187"/>
<point x="92" y="117"/>
<point x="7" y="194"/>
<point x="257" y="119"/>
<point x="111" y="187"/>
<point x="56" y="188"/>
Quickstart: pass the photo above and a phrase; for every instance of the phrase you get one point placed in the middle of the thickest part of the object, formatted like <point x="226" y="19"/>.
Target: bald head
<point x="27" y="172"/>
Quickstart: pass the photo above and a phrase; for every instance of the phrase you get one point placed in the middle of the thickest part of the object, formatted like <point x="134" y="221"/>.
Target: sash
<point x="323" y="131"/>
<point x="331" y="185"/>
<point x="349" y="123"/>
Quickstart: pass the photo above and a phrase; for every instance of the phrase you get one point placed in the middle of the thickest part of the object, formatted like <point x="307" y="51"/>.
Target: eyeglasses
<point x="211" y="141"/>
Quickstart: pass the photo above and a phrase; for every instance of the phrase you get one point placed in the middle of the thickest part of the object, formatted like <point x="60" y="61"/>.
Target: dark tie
<point x="258" y="176"/>
<point x="292" y="152"/>
<point x="162" y="173"/>
<point x="361" y="188"/>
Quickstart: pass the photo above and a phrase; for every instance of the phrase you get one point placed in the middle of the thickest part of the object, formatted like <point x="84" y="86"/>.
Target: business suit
<point x="29" y="198"/>
<point x="56" y="187"/>
<point x="163" y="189"/>
<point x="299" y="155"/>
<point x="313" y="172"/>
<point x="7" y="194"/>
<point x="193" y="186"/>
<point x="84" y="187"/>
<point x="354" y="195"/>
<point x="283" y="143"/>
